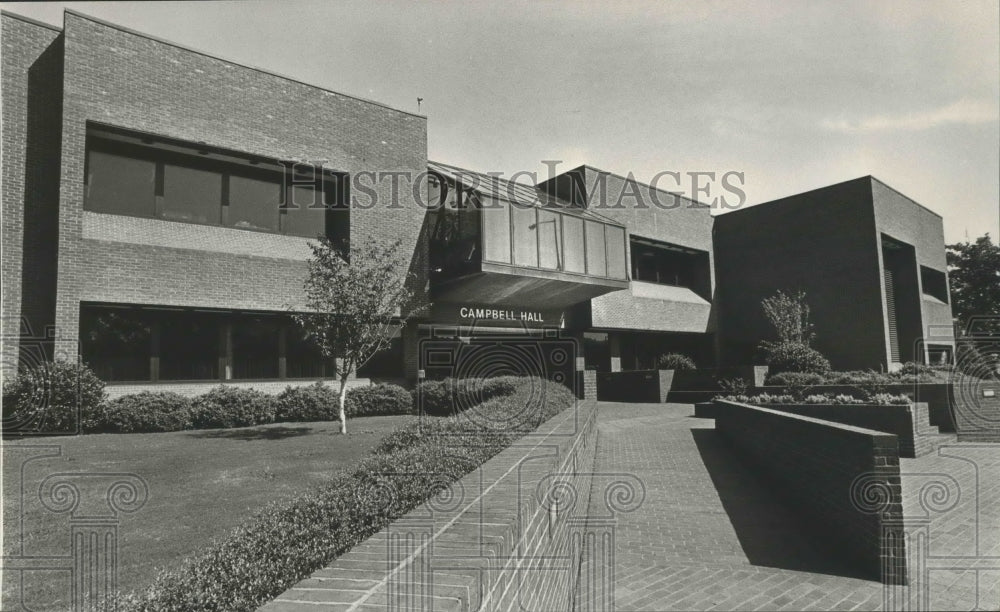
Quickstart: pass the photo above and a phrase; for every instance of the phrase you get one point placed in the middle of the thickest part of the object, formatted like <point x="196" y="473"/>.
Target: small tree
<point x="974" y="275"/>
<point x="789" y="314"/>
<point x="354" y="303"/>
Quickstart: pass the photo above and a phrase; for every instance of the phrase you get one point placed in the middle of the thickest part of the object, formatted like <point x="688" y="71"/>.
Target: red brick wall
<point x="32" y="102"/>
<point x="132" y="81"/>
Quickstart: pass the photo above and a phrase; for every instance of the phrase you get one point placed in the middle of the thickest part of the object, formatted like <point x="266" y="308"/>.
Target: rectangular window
<point x="616" y="251"/>
<point x="255" y="347"/>
<point x="549" y="240"/>
<point x="597" y="264"/>
<point x="120" y="184"/>
<point x="116" y="342"/>
<point x="573" y="240"/>
<point x="191" y="194"/>
<point x="305" y="213"/>
<point x="191" y="344"/>
<point x="496" y="225"/>
<point x="670" y="265"/>
<point x="254" y="202"/>
<point x="934" y="283"/>
<point x="303" y="359"/>
<point x="525" y="236"/>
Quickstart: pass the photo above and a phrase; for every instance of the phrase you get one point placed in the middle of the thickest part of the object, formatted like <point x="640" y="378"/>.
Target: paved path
<point x="709" y="536"/>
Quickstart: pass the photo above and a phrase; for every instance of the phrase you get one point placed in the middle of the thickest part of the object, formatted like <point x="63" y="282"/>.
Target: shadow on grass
<point x="253" y="433"/>
<point x="770" y="533"/>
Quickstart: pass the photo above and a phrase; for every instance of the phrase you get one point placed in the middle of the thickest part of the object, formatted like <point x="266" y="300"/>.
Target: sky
<point x="795" y="95"/>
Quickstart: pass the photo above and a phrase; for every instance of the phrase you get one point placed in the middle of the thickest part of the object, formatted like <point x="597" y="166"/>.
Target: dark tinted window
<point x="191" y="194"/>
<point x="120" y="184"/>
<point x="254" y="202"/>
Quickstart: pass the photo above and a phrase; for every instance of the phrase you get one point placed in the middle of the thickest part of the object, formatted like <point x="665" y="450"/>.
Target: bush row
<point x="880" y="399"/>
<point x="53" y="397"/>
<point x="291" y="539"/>
<point x="909" y="373"/>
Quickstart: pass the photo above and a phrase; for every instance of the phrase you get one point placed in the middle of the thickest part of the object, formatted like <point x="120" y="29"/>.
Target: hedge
<point x="881" y="399"/>
<point x="452" y="396"/>
<point x="145" y="412"/>
<point x="289" y="540"/>
<point x="56" y="397"/>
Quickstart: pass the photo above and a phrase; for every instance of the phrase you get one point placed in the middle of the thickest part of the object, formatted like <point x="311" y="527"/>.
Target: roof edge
<point x="158" y="39"/>
<point x="35" y="22"/>
<point x="903" y="195"/>
<point x="677" y="194"/>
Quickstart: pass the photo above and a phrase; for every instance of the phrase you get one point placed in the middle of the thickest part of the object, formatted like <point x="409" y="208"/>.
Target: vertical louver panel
<point x="890" y="302"/>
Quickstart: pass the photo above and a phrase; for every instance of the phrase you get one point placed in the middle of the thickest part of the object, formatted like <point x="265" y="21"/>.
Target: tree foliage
<point x="355" y="301"/>
<point x="974" y="274"/>
<point x="788" y="313"/>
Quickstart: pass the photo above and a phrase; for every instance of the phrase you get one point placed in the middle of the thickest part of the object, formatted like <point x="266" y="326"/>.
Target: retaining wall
<point x="844" y="480"/>
<point x="505" y="537"/>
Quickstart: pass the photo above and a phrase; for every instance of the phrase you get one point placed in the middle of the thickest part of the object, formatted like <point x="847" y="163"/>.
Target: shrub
<point x="290" y="539"/>
<point x="796" y="379"/>
<point x="733" y="386"/>
<point x="885" y="399"/>
<point x="316" y="402"/>
<point x="145" y="412"/>
<point x="788" y="313"/>
<point x="675" y="361"/>
<point x="794" y="357"/>
<point x="55" y="397"/>
<point x="226" y="406"/>
<point x="451" y="396"/>
<point x="375" y="400"/>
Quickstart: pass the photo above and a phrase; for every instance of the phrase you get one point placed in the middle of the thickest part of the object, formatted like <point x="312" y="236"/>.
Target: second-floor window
<point x="668" y="264"/>
<point x="138" y="176"/>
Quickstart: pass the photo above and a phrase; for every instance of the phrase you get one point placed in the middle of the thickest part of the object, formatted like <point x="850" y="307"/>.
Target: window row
<point x="126" y="178"/>
<point x="137" y="344"/>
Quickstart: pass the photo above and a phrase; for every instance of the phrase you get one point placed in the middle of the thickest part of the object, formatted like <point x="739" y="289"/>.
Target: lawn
<point x="201" y="484"/>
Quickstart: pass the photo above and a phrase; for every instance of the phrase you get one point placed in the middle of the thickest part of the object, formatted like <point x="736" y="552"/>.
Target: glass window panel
<point x="549" y="240"/>
<point x="496" y="225"/>
<point x="189" y="346"/>
<point x="596" y="257"/>
<point x="525" y="236"/>
<point x="191" y="194"/>
<point x="308" y="215"/>
<point x="302" y="358"/>
<point x="573" y="241"/>
<point x="254" y="202"/>
<point x="116" y="343"/>
<point x="255" y="347"/>
<point x="120" y="185"/>
<point x="616" y="251"/>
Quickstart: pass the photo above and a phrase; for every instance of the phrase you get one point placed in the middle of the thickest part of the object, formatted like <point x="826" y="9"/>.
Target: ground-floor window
<point x="132" y="343"/>
<point x="641" y="351"/>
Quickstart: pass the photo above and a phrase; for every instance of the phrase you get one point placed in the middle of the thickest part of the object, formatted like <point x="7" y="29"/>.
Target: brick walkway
<point x="709" y="536"/>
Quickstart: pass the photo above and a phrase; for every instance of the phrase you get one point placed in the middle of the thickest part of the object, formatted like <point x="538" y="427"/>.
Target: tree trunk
<point x="343" y="398"/>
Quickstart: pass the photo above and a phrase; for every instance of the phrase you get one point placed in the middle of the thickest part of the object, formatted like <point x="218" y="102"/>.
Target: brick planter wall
<point x="939" y="397"/>
<point x="494" y="540"/>
<point x="844" y="480"/>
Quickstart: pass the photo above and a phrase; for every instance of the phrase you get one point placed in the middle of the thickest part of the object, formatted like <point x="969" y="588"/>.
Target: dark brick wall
<point x="124" y="79"/>
<point x="844" y="480"/>
<point x="823" y="242"/>
<point x="32" y="104"/>
<point x="901" y="421"/>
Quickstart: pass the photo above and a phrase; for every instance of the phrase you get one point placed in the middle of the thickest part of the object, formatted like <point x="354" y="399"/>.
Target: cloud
<point x="963" y="111"/>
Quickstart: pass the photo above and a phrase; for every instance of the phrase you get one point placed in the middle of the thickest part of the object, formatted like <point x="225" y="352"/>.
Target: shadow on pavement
<point x="770" y="534"/>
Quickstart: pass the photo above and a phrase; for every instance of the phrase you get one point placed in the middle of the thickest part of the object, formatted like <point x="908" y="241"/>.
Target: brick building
<point x="158" y="203"/>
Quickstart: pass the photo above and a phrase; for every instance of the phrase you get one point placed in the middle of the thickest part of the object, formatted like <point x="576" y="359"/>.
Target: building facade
<point x="159" y="202"/>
